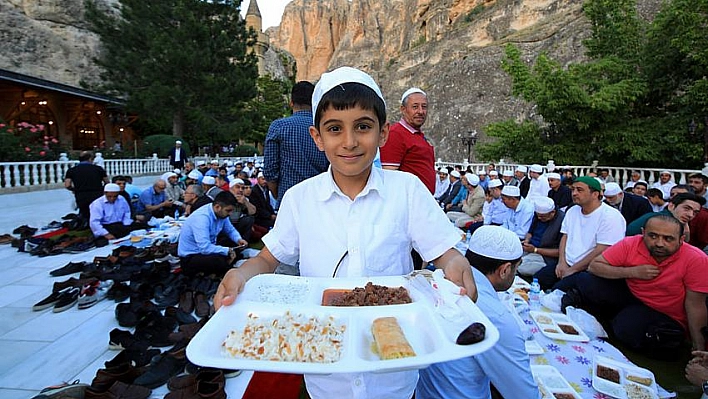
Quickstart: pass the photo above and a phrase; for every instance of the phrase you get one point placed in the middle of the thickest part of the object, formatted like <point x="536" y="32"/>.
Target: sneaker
<point x="51" y="300"/>
<point x="69" y="268"/>
<point x="67" y="299"/>
<point x="75" y="390"/>
<point x="92" y="294"/>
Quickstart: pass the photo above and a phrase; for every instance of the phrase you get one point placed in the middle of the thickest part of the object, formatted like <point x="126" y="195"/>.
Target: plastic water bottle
<point x="535" y="295"/>
<point x="469" y="238"/>
<point x="176" y="214"/>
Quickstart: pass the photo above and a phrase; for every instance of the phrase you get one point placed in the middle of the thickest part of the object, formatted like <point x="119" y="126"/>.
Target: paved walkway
<point x="38" y="349"/>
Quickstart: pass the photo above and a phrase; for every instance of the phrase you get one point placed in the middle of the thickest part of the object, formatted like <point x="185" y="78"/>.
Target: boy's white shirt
<point x="317" y="224"/>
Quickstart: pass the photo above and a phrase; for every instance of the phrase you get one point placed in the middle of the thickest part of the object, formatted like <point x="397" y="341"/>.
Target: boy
<point x="355" y="220"/>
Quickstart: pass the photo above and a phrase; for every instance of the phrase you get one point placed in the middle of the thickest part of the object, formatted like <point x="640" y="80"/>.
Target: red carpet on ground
<point x="274" y="385"/>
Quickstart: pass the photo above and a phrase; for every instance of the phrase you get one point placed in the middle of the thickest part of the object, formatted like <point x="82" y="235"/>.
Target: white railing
<point x="37" y="175"/>
<point x="621" y="174"/>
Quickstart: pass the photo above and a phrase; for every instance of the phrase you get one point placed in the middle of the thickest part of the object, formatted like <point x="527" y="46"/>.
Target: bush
<point x="159" y="144"/>
<point x="244" y="150"/>
<point x="27" y="142"/>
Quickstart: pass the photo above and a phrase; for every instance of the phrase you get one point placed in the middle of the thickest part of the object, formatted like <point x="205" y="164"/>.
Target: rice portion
<point x="288" y="338"/>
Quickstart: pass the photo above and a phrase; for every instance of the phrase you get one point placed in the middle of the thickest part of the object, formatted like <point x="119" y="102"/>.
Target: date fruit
<point x="472" y="334"/>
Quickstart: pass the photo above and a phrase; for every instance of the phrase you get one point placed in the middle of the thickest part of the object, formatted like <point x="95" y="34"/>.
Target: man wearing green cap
<point x="588" y="229"/>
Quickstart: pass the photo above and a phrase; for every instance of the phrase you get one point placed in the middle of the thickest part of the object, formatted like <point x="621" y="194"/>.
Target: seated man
<point x="110" y="214"/>
<point x="211" y="190"/>
<point x="197" y="247"/>
<point x="543" y="239"/>
<point x="494" y="254"/>
<point x="456" y="204"/>
<point x="656" y="199"/>
<point x="640" y="188"/>
<point x="630" y="206"/>
<point x="174" y="191"/>
<point x="260" y="198"/>
<point x="120" y="181"/>
<point x="559" y="193"/>
<point x="651" y="287"/>
<point x="683" y="206"/>
<point x="471" y="206"/>
<point x="153" y="202"/>
<point x="520" y="211"/>
<point x="193" y="198"/>
<point x="243" y="216"/>
<point x="451" y="193"/>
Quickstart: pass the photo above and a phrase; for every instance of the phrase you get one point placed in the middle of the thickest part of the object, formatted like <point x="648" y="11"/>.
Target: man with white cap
<point x="483" y="179"/>
<point x="110" y="214"/>
<point x="243" y="216"/>
<point x="472" y="205"/>
<point x="407" y="149"/>
<point x="633" y="179"/>
<point x="521" y="215"/>
<point x="452" y="191"/>
<point x="560" y="193"/>
<point x="664" y="184"/>
<point x="174" y="191"/>
<point x="543" y="239"/>
<point x="630" y="206"/>
<point x="344" y="223"/>
<point x="178" y="155"/>
<point x="213" y="168"/>
<point x="153" y="202"/>
<point x="442" y="183"/>
<point x="211" y="190"/>
<point x="523" y="182"/>
<point x="494" y="254"/>
<point x="508" y="178"/>
<point x="260" y="198"/>
<point x="497" y="212"/>
<point x="538" y="186"/>
<point x="202" y="167"/>
<point x="194" y="177"/>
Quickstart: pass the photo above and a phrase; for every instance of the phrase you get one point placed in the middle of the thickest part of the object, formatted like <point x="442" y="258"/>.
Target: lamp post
<point x="470" y="139"/>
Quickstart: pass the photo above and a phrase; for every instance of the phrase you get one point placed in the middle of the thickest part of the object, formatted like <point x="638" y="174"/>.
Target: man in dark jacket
<point x="452" y="191"/>
<point x="631" y="206"/>
<point x="260" y="197"/>
<point x="178" y="155"/>
<point x="543" y="239"/>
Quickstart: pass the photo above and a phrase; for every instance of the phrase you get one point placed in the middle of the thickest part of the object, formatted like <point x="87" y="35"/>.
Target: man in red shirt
<point x="651" y="287"/>
<point x="407" y="149"/>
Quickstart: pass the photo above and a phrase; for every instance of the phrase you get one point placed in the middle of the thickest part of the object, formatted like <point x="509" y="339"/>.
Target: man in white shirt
<point x="664" y="184"/>
<point x="538" y="186"/>
<point x="442" y="183"/>
<point x="588" y="229"/>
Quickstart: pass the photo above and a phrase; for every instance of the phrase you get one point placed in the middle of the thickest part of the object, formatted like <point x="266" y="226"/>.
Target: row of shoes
<point x="64" y="244"/>
<point x="90" y="293"/>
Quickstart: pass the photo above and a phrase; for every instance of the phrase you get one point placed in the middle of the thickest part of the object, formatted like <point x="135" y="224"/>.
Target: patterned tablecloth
<point x="575" y="359"/>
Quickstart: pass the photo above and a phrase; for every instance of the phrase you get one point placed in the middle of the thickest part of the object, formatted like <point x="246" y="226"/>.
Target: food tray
<point x="431" y="336"/>
<point x="552" y="384"/>
<point x="625" y="373"/>
<point x="549" y="324"/>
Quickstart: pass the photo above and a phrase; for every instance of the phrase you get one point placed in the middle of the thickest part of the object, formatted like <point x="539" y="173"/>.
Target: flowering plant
<point x="27" y="142"/>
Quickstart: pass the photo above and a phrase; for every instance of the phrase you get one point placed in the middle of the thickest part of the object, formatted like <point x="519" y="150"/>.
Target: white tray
<point x="431" y="336"/>
<point x="554" y="319"/>
<point x="550" y="381"/>
<point x="614" y="390"/>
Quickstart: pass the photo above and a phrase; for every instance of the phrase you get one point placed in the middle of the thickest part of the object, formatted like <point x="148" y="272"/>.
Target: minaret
<point x="254" y="20"/>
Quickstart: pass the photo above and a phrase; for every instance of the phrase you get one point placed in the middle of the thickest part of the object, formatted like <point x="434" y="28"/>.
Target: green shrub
<point x="245" y="150"/>
<point x="159" y="144"/>
<point x="474" y="12"/>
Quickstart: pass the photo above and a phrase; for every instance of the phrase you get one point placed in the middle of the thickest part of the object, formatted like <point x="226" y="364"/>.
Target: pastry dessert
<point x="389" y="339"/>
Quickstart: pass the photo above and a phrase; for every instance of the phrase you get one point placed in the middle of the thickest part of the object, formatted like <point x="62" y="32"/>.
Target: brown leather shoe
<point x="190" y="380"/>
<point x="201" y="305"/>
<point x="186" y="301"/>
<point x="119" y="390"/>
<point x="202" y="390"/>
<point x="105" y="378"/>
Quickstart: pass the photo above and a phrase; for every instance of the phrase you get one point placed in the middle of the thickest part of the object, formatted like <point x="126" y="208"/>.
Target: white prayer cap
<point x="511" y="191"/>
<point x="553" y="175"/>
<point x="455" y="173"/>
<point x="521" y="169"/>
<point x="410" y="91"/>
<point x="234" y="182"/>
<point x="260" y="174"/>
<point x="171" y="174"/>
<point x="543" y="205"/>
<point x="496" y="242"/>
<point x="111" y="188"/>
<point x="665" y="172"/>
<point x="194" y="175"/>
<point x="209" y="180"/>
<point x="495" y="183"/>
<point x="214" y="161"/>
<point x="493" y="173"/>
<point x="178" y="142"/>
<point x="200" y="163"/>
<point x="612" y="189"/>
<point x="482" y="172"/>
<point x="229" y="163"/>
<point x="472" y="179"/>
<point x="330" y="80"/>
<point x="536" y="168"/>
<point x="508" y="173"/>
<point x="177" y="171"/>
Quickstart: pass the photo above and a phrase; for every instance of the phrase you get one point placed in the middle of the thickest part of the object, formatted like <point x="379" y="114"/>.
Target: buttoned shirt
<point x="290" y="155"/>
<point x="199" y="231"/>
<point x="149" y="197"/>
<point x="103" y="212"/>
<point x="470" y="377"/>
<point x="519" y="220"/>
<point x="497" y="212"/>
<point x="372" y="235"/>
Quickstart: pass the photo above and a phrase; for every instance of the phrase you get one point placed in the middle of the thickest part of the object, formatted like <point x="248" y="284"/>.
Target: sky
<point x="271" y="11"/>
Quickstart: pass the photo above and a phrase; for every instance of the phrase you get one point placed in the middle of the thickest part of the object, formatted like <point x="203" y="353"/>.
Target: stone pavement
<point x="38" y="349"/>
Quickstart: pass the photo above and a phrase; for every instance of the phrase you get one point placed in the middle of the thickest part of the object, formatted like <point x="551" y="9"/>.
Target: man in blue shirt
<point x="197" y="247"/>
<point x="290" y="155"/>
<point x="153" y="201"/>
<point x="494" y="254"/>
<point x="110" y="214"/>
<point x="520" y="211"/>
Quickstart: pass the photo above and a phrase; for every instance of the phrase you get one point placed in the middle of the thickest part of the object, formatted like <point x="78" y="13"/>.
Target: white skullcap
<point x="496" y="242"/>
<point x="411" y="91"/>
<point x="493" y="173"/>
<point x="111" y="188"/>
<point x="260" y="174"/>
<point x="482" y="172"/>
<point x="495" y="183"/>
<point x="665" y="172"/>
<point x="214" y="161"/>
<point x="642" y="181"/>
<point x="553" y="175"/>
<point x="209" y="180"/>
<point x="330" y="80"/>
<point x="612" y="189"/>
<point x="521" y="169"/>
<point x="443" y="170"/>
<point x="543" y="205"/>
<point x="508" y="173"/>
<point x="472" y="179"/>
<point x="194" y="175"/>
<point x="234" y="182"/>
<point x="200" y="163"/>
<point x="536" y="168"/>
<point x="511" y="191"/>
<point x="177" y="171"/>
<point x="178" y="142"/>
<point x="229" y="163"/>
<point x="455" y="173"/>
<point x="171" y="174"/>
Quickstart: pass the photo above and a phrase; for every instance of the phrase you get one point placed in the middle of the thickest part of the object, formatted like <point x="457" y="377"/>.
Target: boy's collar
<point x="374" y="183"/>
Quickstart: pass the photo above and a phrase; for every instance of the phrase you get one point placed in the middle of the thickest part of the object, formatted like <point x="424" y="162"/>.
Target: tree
<point x="270" y="104"/>
<point x="180" y="64"/>
<point x="628" y="105"/>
